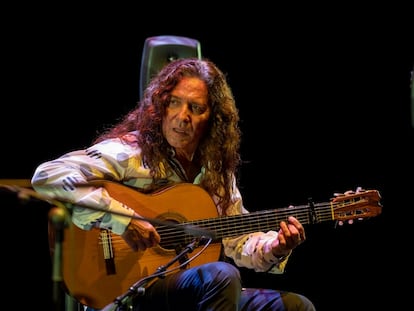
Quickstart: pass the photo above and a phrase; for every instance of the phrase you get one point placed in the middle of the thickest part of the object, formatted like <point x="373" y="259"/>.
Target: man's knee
<point x="293" y="301"/>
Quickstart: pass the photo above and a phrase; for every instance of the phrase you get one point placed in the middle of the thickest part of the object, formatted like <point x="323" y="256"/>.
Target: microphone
<point x="198" y="232"/>
<point x="188" y="229"/>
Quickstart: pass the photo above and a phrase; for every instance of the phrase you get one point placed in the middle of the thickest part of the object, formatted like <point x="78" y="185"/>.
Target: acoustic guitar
<point x="98" y="266"/>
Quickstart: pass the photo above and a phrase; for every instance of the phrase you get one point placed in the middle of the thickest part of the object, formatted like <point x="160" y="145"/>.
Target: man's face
<point x="187" y="116"/>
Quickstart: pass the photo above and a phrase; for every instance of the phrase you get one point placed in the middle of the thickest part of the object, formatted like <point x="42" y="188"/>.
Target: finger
<point x="155" y="241"/>
<point x="294" y="236"/>
<point x="134" y="246"/>
<point x="293" y="221"/>
<point x="283" y="227"/>
<point x="289" y="231"/>
<point x="141" y="245"/>
<point x="156" y="237"/>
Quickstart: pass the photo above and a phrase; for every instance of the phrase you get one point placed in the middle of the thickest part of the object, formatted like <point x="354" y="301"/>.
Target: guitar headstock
<point x="356" y="205"/>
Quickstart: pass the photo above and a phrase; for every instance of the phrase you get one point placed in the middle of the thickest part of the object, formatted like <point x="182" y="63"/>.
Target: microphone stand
<point x="58" y="218"/>
<point x="121" y="302"/>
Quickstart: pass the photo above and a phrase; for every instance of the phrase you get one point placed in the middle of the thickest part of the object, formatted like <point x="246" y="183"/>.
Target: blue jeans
<point x="214" y="286"/>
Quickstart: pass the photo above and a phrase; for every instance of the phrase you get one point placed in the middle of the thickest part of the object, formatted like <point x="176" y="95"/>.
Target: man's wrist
<point x="281" y="257"/>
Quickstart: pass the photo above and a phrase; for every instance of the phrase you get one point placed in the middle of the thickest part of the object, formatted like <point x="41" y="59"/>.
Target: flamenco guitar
<point x="98" y="266"/>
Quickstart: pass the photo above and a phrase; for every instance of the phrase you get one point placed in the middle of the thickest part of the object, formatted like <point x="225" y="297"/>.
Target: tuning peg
<point x="349" y="192"/>
<point x="341" y="222"/>
<point x="338" y="194"/>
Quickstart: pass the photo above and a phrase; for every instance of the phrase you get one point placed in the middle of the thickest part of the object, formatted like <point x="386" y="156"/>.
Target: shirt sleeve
<point x="66" y="179"/>
<point x="253" y="250"/>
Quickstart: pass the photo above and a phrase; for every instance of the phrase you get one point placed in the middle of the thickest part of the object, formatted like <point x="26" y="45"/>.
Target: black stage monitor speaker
<point x="160" y="50"/>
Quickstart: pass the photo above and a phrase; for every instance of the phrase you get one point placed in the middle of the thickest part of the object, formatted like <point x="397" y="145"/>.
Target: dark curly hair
<point x="218" y="151"/>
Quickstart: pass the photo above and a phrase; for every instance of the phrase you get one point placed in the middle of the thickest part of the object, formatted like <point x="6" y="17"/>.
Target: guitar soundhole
<point x="172" y="238"/>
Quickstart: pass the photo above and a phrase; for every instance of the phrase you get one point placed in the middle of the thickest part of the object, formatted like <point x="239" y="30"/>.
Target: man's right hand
<point x="140" y="235"/>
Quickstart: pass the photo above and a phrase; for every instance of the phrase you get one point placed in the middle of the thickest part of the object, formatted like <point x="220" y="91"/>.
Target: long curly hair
<point x="218" y="151"/>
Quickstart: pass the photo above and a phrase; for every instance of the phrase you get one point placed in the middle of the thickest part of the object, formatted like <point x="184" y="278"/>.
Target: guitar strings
<point x="266" y="220"/>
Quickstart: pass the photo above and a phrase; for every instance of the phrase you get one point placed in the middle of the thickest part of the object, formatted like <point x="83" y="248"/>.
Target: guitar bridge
<point x="108" y="251"/>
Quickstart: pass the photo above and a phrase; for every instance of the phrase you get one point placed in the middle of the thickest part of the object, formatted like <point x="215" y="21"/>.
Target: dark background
<point x="324" y="105"/>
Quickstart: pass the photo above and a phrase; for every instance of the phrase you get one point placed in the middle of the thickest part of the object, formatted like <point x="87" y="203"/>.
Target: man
<point x="184" y="130"/>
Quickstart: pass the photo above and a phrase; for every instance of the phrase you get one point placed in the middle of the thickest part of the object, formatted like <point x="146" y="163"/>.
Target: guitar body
<point x="99" y="266"/>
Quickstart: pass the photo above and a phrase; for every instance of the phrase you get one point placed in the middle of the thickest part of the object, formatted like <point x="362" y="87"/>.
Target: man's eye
<point x="197" y="109"/>
<point x="174" y="103"/>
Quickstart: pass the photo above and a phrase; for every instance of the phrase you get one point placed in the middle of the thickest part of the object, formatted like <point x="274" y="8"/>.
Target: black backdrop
<point x="323" y="111"/>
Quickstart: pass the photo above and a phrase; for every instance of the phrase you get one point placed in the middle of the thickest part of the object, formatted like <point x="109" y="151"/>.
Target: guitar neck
<point x="235" y="225"/>
<point x="343" y="208"/>
<point x="264" y="220"/>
